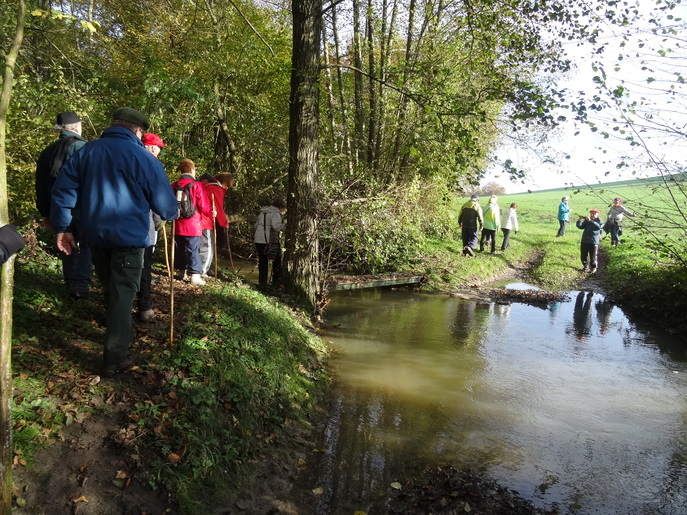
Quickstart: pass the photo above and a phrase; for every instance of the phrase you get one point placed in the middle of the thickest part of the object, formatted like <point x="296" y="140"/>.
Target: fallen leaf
<point x="121" y="474"/>
<point x="80" y="499"/>
<point x="318" y="491"/>
<point x="173" y="458"/>
<point x="396" y="485"/>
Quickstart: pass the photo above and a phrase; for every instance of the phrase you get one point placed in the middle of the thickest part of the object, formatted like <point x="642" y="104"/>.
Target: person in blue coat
<point x="116" y="182"/>
<point x="563" y="214"/>
<point x="592" y="226"/>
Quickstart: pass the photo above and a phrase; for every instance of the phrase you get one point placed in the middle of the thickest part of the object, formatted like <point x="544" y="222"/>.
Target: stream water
<point x="573" y="405"/>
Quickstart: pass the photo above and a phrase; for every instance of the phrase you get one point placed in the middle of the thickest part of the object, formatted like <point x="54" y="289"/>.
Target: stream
<point x="573" y="406"/>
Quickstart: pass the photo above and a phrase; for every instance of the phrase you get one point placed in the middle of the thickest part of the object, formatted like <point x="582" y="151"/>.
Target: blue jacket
<point x="115" y="182"/>
<point x="563" y="211"/>
<point x="592" y="230"/>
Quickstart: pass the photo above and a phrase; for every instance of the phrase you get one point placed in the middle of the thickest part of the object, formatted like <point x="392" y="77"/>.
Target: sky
<point x="593" y="159"/>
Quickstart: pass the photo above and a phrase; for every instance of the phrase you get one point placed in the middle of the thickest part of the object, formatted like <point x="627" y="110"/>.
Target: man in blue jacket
<point x="116" y="182"/>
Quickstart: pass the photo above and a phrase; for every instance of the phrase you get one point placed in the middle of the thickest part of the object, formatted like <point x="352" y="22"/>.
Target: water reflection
<point x="574" y="404"/>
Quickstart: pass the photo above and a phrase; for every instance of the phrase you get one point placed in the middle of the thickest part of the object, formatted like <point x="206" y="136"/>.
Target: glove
<point x="10" y="242"/>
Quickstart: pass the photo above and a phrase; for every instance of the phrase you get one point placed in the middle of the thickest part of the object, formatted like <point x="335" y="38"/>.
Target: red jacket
<point x="215" y="193"/>
<point x="193" y="226"/>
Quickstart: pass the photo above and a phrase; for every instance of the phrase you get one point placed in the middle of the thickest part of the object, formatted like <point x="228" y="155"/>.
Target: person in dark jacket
<point x="592" y="226"/>
<point x="11" y="242"/>
<point x="471" y="221"/>
<point x="116" y="182"/>
<point x="77" y="268"/>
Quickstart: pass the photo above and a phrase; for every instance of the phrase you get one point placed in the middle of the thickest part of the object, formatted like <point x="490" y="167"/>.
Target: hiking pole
<point x="171" y="291"/>
<point x="214" y="233"/>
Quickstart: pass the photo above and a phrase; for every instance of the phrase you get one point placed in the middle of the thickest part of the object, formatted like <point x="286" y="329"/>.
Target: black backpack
<point x="186" y="206"/>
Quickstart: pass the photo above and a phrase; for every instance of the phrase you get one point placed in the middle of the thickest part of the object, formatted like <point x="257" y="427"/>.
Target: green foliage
<point x="385" y="232"/>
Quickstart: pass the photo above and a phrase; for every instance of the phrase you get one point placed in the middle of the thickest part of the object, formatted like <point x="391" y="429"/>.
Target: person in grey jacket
<point x="615" y="217"/>
<point x="267" y="228"/>
<point x="592" y="227"/>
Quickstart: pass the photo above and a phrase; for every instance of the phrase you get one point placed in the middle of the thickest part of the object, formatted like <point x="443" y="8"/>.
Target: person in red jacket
<point x="216" y="188"/>
<point x="187" y="231"/>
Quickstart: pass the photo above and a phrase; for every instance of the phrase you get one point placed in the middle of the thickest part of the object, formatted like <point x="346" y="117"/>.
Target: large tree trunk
<point x="7" y="287"/>
<point x="303" y="267"/>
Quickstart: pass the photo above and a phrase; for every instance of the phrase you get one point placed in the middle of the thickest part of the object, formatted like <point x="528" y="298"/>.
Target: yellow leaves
<point x="91" y="26"/>
<point x="396" y="485"/>
<point x="18" y="460"/>
<point x="318" y="491"/>
<point x="81" y="498"/>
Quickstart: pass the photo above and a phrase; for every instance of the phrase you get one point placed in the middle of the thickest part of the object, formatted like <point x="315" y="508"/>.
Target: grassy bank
<point x="192" y="418"/>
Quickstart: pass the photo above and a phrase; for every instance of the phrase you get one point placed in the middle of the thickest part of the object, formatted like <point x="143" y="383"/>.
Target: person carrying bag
<point x="267" y="246"/>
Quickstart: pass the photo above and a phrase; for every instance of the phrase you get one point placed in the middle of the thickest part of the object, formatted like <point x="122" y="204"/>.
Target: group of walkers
<point x="593" y="228"/>
<point x="472" y="219"/>
<point x="106" y="200"/>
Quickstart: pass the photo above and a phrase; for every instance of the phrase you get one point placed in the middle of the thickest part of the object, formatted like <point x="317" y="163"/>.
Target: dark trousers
<point x="263" y="265"/>
<point x="119" y="271"/>
<point x="561" y="228"/>
<point x="488" y="237"/>
<point x="588" y="255"/>
<point x="469" y="235"/>
<point x="221" y="236"/>
<point x="506" y="239"/>
<point x="77" y="267"/>
<point x="615" y="232"/>
<point x="145" y="301"/>
<point x="187" y="254"/>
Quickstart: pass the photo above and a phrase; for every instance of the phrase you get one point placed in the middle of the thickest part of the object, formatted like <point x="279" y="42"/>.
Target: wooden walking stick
<point x="171" y="291"/>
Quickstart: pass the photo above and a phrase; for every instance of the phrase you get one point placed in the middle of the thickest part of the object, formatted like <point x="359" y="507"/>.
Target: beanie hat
<point x="617" y="200"/>
<point x="67" y="118"/>
<point x="10" y="242"/>
<point x="474" y="197"/>
<point x="594" y="211"/>
<point x="152" y="139"/>
<point x="130" y="115"/>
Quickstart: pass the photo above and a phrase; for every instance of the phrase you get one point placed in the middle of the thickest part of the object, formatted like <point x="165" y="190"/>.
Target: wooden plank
<point x="377" y="283"/>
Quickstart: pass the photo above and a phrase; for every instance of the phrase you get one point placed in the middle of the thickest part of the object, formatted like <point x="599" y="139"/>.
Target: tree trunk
<point x="7" y="287"/>
<point x="303" y="267"/>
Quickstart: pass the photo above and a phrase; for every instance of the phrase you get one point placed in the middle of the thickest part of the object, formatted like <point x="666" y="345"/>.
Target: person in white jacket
<point x="615" y="220"/>
<point x="267" y="228"/>
<point x="509" y="221"/>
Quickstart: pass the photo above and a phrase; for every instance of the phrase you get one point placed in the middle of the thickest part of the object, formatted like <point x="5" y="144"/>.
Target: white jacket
<point x="269" y="225"/>
<point x="509" y="219"/>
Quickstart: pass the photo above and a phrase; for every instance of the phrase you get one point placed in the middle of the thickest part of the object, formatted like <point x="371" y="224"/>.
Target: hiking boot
<point x="78" y="293"/>
<point x="469" y="252"/>
<point x="197" y="280"/>
<point x="145" y="315"/>
<point x="182" y="275"/>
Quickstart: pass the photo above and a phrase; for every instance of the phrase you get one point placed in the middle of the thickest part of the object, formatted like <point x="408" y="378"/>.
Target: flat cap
<point x="128" y="114"/>
<point x="67" y="118"/>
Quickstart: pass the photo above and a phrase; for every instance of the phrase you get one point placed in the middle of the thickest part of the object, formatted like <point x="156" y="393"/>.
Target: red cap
<point x="594" y="211"/>
<point x="152" y="139"/>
